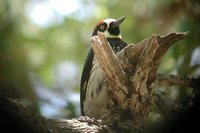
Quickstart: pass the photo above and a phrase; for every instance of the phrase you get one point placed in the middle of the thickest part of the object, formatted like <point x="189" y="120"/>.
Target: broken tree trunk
<point x="132" y="75"/>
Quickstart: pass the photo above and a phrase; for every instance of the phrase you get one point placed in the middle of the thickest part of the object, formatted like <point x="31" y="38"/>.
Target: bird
<point x="93" y="86"/>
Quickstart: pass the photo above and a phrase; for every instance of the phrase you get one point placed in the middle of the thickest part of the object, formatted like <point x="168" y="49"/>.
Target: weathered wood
<point x="132" y="74"/>
<point x="82" y="124"/>
<point x="16" y="118"/>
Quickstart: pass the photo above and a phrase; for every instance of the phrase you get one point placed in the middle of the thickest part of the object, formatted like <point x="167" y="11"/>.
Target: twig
<point x="193" y="82"/>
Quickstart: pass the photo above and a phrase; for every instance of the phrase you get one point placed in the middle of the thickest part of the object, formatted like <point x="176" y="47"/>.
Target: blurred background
<point x="43" y="45"/>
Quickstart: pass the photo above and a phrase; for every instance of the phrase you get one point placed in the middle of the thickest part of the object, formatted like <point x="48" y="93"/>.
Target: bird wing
<point x="85" y="77"/>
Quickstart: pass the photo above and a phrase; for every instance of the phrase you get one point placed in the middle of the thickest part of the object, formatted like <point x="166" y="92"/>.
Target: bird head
<point x="110" y="27"/>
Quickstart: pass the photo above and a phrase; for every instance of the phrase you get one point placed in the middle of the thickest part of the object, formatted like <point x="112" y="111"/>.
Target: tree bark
<point x="132" y="75"/>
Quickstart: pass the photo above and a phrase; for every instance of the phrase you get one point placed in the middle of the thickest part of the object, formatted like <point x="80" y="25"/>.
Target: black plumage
<point x="115" y="42"/>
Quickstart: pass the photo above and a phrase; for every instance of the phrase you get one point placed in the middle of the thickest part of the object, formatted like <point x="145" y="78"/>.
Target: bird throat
<point x="109" y="34"/>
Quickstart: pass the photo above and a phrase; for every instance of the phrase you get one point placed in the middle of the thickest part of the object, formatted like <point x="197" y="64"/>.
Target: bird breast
<point x="97" y="91"/>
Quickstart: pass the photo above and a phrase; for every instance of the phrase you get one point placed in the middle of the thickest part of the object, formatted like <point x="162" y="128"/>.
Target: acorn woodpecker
<point x="94" y="88"/>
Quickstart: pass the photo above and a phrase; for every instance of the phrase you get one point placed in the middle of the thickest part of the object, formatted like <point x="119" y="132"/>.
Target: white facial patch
<point x="106" y="33"/>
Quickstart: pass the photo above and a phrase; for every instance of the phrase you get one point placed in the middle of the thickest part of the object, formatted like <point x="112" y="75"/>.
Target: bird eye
<point x="102" y="27"/>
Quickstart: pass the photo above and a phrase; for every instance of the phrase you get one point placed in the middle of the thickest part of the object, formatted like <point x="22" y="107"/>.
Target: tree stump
<point x="132" y="75"/>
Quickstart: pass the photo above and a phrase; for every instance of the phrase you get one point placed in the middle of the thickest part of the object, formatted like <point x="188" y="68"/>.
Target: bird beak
<point x="118" y="22"/>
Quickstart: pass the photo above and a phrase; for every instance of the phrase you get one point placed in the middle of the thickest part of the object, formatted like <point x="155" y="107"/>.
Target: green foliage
<point x="14" y="79"/>
<point x="28" y="48"/>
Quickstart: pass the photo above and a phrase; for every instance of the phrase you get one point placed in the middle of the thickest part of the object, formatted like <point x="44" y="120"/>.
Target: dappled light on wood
<point x="132" y="87"/>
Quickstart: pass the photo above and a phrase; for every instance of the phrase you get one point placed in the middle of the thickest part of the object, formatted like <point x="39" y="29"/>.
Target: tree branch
<point x="18" y="119"/>
<point x="83" y="124"/>
<point x="192" y="82"/>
